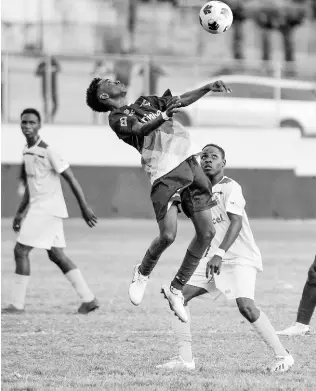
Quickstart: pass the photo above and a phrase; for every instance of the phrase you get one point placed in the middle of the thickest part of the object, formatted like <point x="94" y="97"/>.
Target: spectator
<point x="41" y="72"/>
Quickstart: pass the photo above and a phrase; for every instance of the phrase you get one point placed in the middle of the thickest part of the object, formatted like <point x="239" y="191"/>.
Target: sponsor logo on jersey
<point x="217" y="220"/>
<point x="150" y="116"/>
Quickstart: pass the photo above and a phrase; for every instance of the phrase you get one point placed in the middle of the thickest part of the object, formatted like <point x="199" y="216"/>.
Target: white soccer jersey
<point x="229" y="197"/>
<point x="43" y="166"/>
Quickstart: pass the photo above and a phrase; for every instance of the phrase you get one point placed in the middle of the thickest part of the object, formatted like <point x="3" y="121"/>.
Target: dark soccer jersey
<point x="164" y="148"/>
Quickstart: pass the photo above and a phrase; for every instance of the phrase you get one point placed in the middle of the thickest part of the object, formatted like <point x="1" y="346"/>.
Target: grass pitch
<point x="51" y="347"/>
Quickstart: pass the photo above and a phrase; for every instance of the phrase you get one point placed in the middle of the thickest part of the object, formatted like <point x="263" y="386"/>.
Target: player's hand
<point x="17" y="223"/>
<point x="220" y="86"/>
<point x="89" y="217"/>
<point x="173" y="106"/>
<point x="213" y="266"/>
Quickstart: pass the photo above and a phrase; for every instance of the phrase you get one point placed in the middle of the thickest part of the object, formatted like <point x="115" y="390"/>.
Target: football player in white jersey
<point x="39" y="219"/>
<point x="230" y="266"/>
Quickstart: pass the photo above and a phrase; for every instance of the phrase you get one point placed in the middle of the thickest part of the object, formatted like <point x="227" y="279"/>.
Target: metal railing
<point x="58" y="91"/>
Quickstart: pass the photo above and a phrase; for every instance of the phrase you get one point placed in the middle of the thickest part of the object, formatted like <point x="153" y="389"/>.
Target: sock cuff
<point x="73" y="272"/>
<point x="21" y="278"/>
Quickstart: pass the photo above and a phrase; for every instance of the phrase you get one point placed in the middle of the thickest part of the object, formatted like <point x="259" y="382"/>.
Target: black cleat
<point x="85" y="308"/>
<point x="11" y="309"/>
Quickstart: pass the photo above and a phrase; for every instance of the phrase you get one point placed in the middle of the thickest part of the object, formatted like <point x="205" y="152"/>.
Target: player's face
<point x="212" y="162"/>
<point x="111" y="89"/>
<point x="30" y="125"/>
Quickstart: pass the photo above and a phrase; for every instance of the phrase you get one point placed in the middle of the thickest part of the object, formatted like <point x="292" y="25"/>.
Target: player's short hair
<point x="30" y="110"/>
<point x="92" y="97"/>
<point x="218" y="147"/>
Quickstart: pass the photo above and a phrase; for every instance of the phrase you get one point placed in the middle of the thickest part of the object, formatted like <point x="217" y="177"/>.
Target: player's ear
<point x="104" y="96"/>
<point x="224" y="162"/>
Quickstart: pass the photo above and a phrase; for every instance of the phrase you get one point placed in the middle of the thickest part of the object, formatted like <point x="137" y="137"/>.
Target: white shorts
<point x="234" y="281"/>
<point x="42" y="231"/>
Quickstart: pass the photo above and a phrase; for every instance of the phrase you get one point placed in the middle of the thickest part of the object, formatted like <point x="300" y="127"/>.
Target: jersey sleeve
<point x="57" y="161"/>
<point x="160" y="103"/>
<point x="234" y="199"/>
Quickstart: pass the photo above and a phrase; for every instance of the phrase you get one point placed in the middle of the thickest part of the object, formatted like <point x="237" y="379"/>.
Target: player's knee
<point x="20" y="252"/>
<point x="207" y="235"/>
<point x="57" y="257"/>
<point x="167" y="238"/>
<point x="247" y="309"/>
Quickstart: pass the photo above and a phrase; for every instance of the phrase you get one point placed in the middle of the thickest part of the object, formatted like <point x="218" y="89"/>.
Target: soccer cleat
<point x="176" y="302"/>
<point x="282" y="363"/>
<point x="297" y="329"/>
<point x="90" y="306"/>
<point x="11" y="309"/>
<point x="177" y="363"/>
<point x="138" y="286"/>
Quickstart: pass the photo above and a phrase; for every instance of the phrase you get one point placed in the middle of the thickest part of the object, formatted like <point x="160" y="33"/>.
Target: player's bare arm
<point x="141" y="129"/>
<point x="87" y="212"/>
<point x="21" y="210"/>
<point x="190" y="97"/>
<point x="215" y="263"/>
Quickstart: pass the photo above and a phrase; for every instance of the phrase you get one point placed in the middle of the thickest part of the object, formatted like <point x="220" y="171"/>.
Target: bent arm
<point x="190" y="97"/>
<point x="232" y="232"/>
<point x="145" y="129"/>
<point x="75" y="187"/>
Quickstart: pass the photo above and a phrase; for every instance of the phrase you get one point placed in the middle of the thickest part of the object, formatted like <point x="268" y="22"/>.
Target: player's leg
<point x="74" y="276"/>
<point x="204" y="234"/>
<point x="54" y="102"/>
<point x="167" y="233"/>
<point x="197" y="285"/>
<point x="182" y="332"/>
<point x="20" y="278"/>
<point x="306" y="307"/>
<point x="266" y="331"/>
<point x="196" y="204"/>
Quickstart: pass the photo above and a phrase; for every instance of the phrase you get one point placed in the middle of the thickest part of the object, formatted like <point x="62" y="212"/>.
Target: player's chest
<point x="143" y="114"/>
<point x="35" y="164"/>
<point x="219" y="211"/>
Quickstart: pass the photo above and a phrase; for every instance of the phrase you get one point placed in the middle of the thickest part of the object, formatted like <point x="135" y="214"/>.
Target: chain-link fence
<point x="264" y="93"/>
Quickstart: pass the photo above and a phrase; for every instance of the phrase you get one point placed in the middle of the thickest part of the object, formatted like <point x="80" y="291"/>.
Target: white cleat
<point x="138" y="286"/>
<point x="282" y="363"/>
<point x="176" y="302"/>
<point x="177" y="363"/>
<point x="297" y="329"/>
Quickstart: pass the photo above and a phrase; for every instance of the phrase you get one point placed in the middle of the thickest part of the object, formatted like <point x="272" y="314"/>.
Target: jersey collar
<point x="35" y="145"/>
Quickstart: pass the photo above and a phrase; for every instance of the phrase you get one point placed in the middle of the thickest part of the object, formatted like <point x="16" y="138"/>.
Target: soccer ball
<point x="216" y="17"/>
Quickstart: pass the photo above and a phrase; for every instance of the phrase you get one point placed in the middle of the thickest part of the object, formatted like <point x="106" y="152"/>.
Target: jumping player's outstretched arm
<point x="86" y="211"/>
<point x="190" y="97"/>
<point x="21" y="210"/>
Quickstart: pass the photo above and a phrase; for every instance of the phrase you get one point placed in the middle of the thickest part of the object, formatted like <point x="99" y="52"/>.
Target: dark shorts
<point x="187" y="184"/>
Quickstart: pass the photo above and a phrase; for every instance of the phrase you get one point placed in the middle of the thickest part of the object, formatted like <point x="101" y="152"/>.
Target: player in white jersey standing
<point x="42" y="210"/>
<point x="230" y="266"/>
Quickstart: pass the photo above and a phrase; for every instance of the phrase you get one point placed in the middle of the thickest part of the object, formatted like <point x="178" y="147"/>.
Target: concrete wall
<point x="277" y="170"/>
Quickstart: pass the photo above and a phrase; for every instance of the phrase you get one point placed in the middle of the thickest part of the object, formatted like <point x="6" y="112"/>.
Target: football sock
<point x="148" y="264"/>
<point x="187" y="268"/>
<point x="182" y="333"/>
<point x="78" y="282"/>
<point x="266" y="331"/>
<point x="307" y="304"/>
<point x="19" y="287"/>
